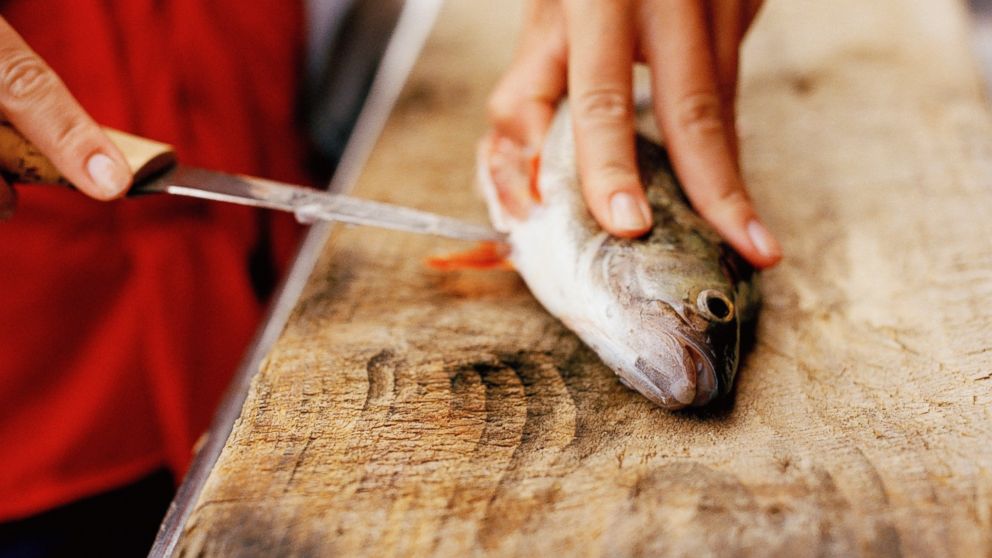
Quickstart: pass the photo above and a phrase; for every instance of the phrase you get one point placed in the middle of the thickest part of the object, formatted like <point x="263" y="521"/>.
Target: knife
<point x="157" y="171"/>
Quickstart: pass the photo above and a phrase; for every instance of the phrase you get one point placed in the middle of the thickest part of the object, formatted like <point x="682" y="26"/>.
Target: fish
<point x="664" y="311"/>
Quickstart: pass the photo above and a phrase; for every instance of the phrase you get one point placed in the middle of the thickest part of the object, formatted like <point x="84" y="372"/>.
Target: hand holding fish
<point x="588" y="47"/>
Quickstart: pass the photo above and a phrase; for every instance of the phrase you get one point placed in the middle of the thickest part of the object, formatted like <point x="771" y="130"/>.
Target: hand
<point x="38" y="104"/>
<point x="588" y="48"/>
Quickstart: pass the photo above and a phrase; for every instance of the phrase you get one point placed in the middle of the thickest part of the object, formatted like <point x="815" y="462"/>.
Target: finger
<point x="727" y="20"/>
<point x="36" y="101"/>
<point x="511" y="174"/>
<point x="600" y="61"/>
<point x="687" y="103"/>
<point x="8" y="200"/>
<point x="523" y="103"/>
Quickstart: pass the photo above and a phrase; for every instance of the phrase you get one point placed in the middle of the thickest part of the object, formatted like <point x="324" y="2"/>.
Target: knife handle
<point x="20" y="160"/>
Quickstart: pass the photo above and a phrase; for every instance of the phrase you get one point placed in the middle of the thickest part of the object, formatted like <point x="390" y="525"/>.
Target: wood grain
<point x="406" y="412"/>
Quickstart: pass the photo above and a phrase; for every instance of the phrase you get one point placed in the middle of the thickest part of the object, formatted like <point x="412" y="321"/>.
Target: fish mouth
<point x="697" y="364"/>
<point x="689" y="380"/>
<point x="672" y="369"/>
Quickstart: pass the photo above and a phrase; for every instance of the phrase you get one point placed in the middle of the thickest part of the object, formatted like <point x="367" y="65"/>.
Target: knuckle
<point x="24" y="76"/>
<point x="733" y="198"/>
<point x="699" y="114"/>
<point x="71" y="135"/>
<point x="611" y="173"/>
<point x="606" y="104"/>
<point x="729" y="202"/>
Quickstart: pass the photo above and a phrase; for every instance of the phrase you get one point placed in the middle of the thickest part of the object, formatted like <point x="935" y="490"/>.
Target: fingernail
<point x="108" y="176"/>
<point x="763" y="240"/>
<point x="625" y="213"/>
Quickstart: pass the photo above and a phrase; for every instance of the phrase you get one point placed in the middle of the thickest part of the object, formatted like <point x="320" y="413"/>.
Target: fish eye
<point x="715" y="305"/>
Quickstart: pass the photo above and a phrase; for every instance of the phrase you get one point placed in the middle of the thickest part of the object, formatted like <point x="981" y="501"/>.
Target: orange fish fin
<point x="486" y="255"/>
<point x="535" y="168"/>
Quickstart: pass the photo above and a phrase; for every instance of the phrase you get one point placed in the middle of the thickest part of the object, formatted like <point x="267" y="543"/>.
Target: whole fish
<point x="663" y="311"/>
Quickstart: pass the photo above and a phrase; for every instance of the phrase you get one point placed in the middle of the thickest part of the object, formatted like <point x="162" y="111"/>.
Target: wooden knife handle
<point x="20" y="160"/>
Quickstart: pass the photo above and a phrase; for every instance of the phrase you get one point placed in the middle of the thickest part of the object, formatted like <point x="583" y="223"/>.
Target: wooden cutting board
<point x="407" y="412"/>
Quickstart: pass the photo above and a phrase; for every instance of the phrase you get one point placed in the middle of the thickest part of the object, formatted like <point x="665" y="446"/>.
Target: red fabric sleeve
<point x="121" y="323"/>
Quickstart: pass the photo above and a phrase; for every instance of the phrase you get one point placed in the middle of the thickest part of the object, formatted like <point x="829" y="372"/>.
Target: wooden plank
<point x="406" y="412"/>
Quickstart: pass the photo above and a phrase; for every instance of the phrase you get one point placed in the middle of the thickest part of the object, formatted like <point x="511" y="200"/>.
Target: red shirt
<point x="121" y="323"/>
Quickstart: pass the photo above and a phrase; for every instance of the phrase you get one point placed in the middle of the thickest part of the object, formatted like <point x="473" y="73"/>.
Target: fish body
<point x="663" y="311"/>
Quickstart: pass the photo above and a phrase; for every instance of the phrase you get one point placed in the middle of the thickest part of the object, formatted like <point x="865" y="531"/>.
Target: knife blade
<point x="308" y="204"/>
<point x="157" y="171"/>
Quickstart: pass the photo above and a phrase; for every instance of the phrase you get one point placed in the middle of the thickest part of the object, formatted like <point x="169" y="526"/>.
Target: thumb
<point x="40" y="106"/>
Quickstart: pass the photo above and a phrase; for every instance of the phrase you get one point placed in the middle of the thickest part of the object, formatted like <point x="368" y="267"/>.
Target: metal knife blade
<point x="309" y="204"/>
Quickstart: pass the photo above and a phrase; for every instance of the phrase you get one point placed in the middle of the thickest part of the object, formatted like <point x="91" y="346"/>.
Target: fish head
<point x="684" y="355"/>
<point x="678" y="335"/>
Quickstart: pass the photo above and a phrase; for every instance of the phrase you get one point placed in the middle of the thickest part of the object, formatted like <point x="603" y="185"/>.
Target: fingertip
<point x="624" y="213"/>
<point x="766" y="248"/>
<point x="109" y="177"/>
<point x="771" y="262"/>
<point x="761" y="261"/>
<point x="740" y="226"/>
